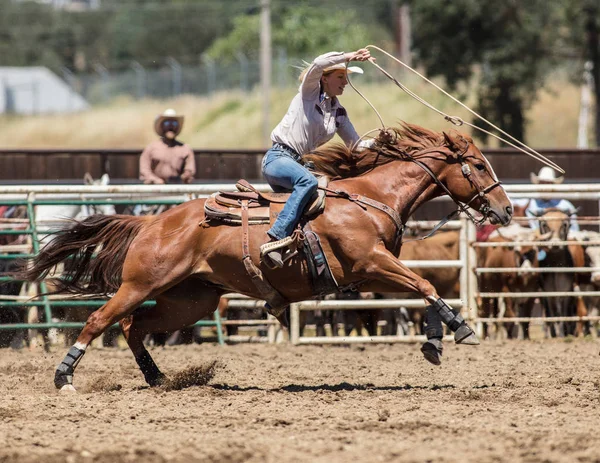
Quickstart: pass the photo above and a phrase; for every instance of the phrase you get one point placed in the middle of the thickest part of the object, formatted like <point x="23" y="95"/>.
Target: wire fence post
<point x="243" y="61"/>
<point x="140" y="79"/>
<point x="211" y="73"/>
<point x="295" y="324"/>
<point x="176" y="75"/>
<point x="105" y="78"/>
<point x="472" y="284"/>
<point x="463" y="247"/>
<point x="36" y="249"/>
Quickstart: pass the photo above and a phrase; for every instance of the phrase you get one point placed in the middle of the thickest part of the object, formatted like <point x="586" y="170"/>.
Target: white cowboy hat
<point x="546" y="175"/>
<point x="335" y="67"/>
<point x="351" y="69"/>
<point x="169" y="114"/>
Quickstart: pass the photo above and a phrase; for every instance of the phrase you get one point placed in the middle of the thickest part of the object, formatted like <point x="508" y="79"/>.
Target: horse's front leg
<point x="385" y="268"/>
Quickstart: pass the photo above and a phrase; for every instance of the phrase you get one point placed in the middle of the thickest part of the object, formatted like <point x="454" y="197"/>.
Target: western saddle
<point x="263" y="208"/>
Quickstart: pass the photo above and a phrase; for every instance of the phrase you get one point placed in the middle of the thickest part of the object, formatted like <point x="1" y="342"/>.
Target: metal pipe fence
<point x="34" y="195"/>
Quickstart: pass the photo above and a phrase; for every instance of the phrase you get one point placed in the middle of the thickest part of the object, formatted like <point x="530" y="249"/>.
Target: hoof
<point x="159" y="380"/>
<point x="465" y="335"/>
<point x="68" y="388"/>
<point x="432" y="351"/>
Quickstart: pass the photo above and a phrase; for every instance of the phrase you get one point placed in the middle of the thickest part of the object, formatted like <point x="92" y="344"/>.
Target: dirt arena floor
<point x="501" y="401"/>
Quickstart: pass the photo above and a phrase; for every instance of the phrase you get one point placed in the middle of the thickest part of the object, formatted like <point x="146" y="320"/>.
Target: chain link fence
<point x="173" y="79"/>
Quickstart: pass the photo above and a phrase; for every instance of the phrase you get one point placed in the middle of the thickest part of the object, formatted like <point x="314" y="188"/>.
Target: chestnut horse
<point x="186" y="263"/>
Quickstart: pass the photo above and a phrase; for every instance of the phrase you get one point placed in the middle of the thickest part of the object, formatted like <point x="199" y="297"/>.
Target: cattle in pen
<point x="522" y="257"/>
<point x="554" y="228"/>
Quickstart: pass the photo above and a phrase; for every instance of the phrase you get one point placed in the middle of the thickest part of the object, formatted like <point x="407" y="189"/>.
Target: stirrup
<point x="273" y="245"/>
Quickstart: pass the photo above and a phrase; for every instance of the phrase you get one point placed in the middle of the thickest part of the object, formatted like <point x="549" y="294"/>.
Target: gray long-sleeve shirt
<point x="310" y="122"/>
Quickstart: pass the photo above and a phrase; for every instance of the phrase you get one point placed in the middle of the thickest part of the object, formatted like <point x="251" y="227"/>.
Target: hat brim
<point x="535" y="179"/>
<point x="349" y="69"/>
<point x="160" y="119"/>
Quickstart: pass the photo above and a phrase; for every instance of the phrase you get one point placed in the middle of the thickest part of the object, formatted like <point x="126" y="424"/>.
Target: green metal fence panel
<point x="45" y="302"/>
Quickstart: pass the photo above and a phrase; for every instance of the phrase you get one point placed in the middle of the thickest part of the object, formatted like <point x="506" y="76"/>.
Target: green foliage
<point x="509" y="41"/>
<point x="148" y="33"/>
<point x="301" y="30"/>
<point x="22" y="32"/>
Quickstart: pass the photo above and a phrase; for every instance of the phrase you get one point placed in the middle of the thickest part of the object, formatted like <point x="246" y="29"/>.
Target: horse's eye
<point x="480" y="167"/>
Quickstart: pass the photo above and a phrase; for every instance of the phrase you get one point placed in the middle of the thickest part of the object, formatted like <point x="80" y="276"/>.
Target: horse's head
<point x="472" y="181"/>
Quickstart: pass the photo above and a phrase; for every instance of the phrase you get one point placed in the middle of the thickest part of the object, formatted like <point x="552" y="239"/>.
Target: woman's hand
<point x="359" y="55"/>
<point x="387" y="136"/>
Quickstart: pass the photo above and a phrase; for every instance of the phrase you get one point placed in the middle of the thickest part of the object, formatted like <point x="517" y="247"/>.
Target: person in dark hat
<point x="167" y="160"/>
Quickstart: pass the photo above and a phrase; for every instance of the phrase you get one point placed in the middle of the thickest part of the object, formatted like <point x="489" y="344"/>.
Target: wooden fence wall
<point x="22" y="166"/>
<point x="69" y="166"/>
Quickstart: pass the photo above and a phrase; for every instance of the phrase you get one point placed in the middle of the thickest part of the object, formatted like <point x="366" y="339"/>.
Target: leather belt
<point x="289" y="150"/>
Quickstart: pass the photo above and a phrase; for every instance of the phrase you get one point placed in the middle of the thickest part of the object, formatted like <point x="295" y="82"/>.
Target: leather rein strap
<point x="466" y="170"/>
<point x="481" y="192"/>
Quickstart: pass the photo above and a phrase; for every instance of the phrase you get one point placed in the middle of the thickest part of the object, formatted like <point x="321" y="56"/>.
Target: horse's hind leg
<point x="125" y="301"/>
<point x="180" y="306"/>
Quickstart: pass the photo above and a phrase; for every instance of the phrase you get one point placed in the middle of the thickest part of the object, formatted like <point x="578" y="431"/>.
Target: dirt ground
<point x="501" y="401"/>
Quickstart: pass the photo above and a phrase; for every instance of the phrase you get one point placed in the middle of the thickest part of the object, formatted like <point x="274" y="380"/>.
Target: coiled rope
<point x="452" y="119"/>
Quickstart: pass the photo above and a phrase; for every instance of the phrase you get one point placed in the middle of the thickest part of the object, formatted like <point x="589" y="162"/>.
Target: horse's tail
<point x="109" y="236"/>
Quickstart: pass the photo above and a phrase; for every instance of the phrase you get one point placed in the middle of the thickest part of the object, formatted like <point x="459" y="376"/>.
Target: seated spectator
<point x="167" y="160"/>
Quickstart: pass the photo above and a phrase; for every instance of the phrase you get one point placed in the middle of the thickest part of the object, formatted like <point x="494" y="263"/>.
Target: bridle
<point x="484" y="209"/>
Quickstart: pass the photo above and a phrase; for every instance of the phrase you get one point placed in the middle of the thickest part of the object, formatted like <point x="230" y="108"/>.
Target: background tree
<point x="508" y="41"/>
<point x="582" y="42"/>
<point x="303" y="30"/>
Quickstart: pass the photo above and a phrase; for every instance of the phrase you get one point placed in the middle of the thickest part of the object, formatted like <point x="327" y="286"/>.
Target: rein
<point x="461" y="207"/>
<point x="484" y="209"/>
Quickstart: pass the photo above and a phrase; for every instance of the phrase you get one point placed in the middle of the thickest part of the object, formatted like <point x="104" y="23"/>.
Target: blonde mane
<point x="338" y="161"/>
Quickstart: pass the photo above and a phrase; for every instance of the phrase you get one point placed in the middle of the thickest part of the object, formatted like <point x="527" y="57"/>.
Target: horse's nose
<point x="509" y="210"/>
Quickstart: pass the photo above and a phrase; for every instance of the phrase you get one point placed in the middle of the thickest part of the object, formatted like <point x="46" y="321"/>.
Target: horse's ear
<point x="88" y="179"/>
<point x="450" y="141"/>
<point x="105" y="179"/>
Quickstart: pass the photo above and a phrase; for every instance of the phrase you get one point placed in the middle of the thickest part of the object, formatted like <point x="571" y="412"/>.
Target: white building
<point x="36" y="90"/>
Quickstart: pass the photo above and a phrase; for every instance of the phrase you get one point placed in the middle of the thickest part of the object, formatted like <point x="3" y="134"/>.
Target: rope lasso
<point x="452" y="119"/>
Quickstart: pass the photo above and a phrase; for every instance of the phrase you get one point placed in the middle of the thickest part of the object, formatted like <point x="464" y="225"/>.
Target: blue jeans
<point x="283" y="173"/>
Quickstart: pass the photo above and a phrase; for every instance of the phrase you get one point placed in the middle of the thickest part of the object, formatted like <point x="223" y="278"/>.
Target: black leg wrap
<point x="64" y="372"/>
<point x="433" y="323"/>
<point x="451" y="318"/>
<point x="434" y="330"/>
<point x="152" y="374"/>
<point x="463" y="334"/>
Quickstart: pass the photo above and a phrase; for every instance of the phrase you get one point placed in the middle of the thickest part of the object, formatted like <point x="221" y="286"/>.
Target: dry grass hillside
<point x="233" y="119"/>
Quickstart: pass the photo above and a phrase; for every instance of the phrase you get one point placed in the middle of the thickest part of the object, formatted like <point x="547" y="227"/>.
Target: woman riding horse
<point x="187" y="263"/>
<point x="315" y="115"/>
